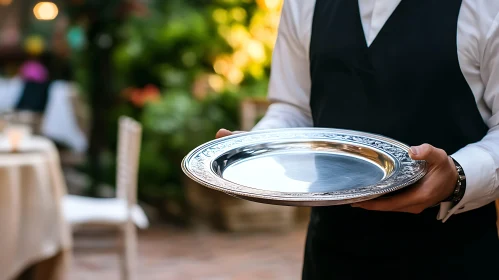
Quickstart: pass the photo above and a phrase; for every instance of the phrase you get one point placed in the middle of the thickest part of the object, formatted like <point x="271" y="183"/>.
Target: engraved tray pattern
<point x="198" y="166"/>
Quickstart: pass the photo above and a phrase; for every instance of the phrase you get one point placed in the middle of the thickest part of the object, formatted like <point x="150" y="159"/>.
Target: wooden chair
<point x="252" y="109"/>
<point x="121" y="213"/>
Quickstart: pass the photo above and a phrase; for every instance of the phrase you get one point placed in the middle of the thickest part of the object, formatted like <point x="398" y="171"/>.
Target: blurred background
<point x="100" y="101"/>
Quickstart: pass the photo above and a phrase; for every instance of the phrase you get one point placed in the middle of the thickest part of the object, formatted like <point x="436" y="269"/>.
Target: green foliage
<point x="174" y="47"/>
<point x="183" y="122"/>
<point x="174" y="126"/>
<point x="167" y="48"/>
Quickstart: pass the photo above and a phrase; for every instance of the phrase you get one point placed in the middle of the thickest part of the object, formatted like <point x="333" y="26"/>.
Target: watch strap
<point x="460" y="187"/>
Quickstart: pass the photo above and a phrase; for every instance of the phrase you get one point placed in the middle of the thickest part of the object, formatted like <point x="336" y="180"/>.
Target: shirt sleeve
<point x="289" y="87"/>
<point x="480" y="160"/>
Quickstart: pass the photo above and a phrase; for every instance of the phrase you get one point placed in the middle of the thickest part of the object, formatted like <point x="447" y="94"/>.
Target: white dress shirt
<point x="478" y="54"/>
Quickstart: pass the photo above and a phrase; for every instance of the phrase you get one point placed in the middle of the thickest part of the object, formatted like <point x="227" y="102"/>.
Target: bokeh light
<point x="45" y="11"/>
<point x="34" y="44"/>
<point x="251" y="37"/>
<point x="216" y="82"/>
<point x="272" y="5"/>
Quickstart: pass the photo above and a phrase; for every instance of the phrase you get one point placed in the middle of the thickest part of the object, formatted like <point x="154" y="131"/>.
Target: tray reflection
<point x="304" y="167"/>
<point x="304" y="172"/>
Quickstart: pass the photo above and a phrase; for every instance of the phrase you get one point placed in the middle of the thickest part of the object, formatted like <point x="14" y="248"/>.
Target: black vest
<point x="407" y="85"/>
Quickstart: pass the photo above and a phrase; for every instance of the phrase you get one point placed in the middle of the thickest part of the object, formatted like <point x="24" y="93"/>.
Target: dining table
<point x="35" y="240"/>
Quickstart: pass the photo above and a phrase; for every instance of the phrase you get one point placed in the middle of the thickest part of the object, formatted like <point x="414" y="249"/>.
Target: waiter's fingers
<point x="224" y="132"/>
<point x="413" y="209"/>
<point x="377" y="206"/>
<point x="428" y="153"/>
<point x="410" y="198"/>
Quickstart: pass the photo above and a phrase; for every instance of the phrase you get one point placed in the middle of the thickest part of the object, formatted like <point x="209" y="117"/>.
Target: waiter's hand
<point x="224" y="132"/>
<point x="436" y="186"/>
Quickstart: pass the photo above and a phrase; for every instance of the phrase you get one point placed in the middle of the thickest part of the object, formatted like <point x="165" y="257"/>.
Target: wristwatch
<point x="460" y="187"/>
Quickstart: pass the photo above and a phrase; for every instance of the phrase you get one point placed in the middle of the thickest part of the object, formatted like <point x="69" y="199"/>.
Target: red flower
<point x="139" y="97"/>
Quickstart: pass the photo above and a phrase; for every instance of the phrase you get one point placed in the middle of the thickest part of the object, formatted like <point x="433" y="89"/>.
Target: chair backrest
<point x="81" y="110"/>
<point x="251" y="110"/>
<point x="129" y="142"/>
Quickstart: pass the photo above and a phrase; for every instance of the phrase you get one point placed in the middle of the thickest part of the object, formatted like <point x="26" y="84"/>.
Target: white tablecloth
<point x="32" y="228"/>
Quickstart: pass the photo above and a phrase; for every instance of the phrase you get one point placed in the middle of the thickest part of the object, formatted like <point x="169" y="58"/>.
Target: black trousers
<point x="330" y="254"/>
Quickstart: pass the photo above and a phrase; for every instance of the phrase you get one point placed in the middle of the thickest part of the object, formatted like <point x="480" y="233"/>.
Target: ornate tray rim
<point x="410" y="171"/>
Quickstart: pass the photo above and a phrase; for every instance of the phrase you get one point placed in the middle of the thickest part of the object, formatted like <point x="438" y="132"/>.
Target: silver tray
<point x="304" y="166"/>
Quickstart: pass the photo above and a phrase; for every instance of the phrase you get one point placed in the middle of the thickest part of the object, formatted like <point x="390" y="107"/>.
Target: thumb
<point x="428" y="153"/>
<point x="223" y="133"/>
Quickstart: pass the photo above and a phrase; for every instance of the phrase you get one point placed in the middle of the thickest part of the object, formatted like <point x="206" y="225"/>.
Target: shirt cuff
<point x="283" y="115"/>
<point x="479" y="169"/>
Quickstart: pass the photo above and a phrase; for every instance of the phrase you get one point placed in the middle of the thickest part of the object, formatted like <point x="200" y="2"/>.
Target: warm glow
<point x="252" y="44"/>
<point x="274" y="20"/>
<point x="256" y="71"/>
<point x="273" y="4"/>
<point x="240" y="58"/>
<point x="216" y="82"/>
<point x="238" y="14"/>
<point x="45" y="11"/>
<point x="256" y="50"/>
<point x="238" y="35"/>
<point x="235" y="76"/>
<point x="221" y="66"/>
<point x="5" y="2"/>
<point x="34" y="44"/>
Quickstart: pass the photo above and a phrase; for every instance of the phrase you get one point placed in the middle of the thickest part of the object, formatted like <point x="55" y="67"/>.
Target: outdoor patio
<point x="169" y="253"/>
